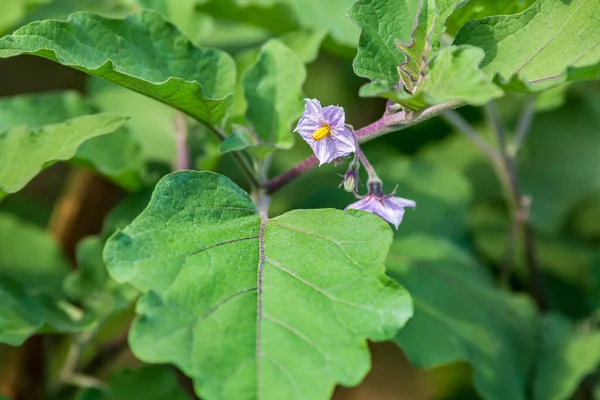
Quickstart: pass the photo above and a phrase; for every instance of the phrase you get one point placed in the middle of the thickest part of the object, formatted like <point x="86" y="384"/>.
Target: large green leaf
<point x="146" y="383"/>
<point x="251" y="307"/>
<point x="273" y="90"/>
<point x="117" y="155"/>
<point x="567" y="357"/>
<point x="32" y="270"/>
<point x="143" y="53"/>
<point x="550" y="42"/>
<point x="460" y="316"/>
<point x="397" y="38"/>
<point x="25" y="152"/>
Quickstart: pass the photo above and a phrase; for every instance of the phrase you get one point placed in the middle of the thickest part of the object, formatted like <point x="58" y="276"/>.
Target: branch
<point x="519" y="211"/>
<point x="387" y="124"/>
<point x="242" y="162"/>
<point x="525" y="121"/>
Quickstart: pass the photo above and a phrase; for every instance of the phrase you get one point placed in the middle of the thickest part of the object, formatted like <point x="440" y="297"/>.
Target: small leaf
<point x="223" y="287"/>
<point x="461" y="316"/>
<point x="427" y="30"/>
<point x="566" y="358"/>
<point x="305" y="43"/>
<point x="397" y="38"/>
<point x="143" y="53"/>
<point x="21" y="314"/>
<point x="551" y="42"/>
<point x="273" y="90"/>
<point x="25" y="152"/>
<point x="242" y="138"/>
<point x="116" y="155"/>
<point x="32" y="270"/>
<point x="454" y="74"/>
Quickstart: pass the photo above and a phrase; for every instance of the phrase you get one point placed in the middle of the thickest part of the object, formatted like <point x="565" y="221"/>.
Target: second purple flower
<point x="325" y="131"/>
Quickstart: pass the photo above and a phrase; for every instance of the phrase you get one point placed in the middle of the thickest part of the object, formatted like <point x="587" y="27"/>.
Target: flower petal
<point x="344" y="140"/>
<point x="334" y="116"/>
<point x="306" y="127"/>
<point x="401" y="202"/>
<point x="325" y="150"/>
<point x="313" y="111"/>
<point x="362" y="204"/>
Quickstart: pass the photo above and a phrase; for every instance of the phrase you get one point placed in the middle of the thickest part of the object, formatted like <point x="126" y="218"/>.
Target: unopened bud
<point x="350" y="184"/>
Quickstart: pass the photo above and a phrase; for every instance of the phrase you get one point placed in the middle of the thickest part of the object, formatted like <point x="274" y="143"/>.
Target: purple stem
<point x="387" y="124"/>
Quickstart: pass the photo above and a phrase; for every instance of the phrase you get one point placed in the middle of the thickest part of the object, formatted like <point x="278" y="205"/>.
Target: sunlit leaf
<point x="551" y="42"/>
<point x="167" y="67"/>
<point x="223" y="286"/>
<point x="24" y="152"/>
<point x="273" y="90"/>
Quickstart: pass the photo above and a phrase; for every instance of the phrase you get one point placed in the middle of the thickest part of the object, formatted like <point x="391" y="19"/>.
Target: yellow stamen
<point x="322" y="132"/>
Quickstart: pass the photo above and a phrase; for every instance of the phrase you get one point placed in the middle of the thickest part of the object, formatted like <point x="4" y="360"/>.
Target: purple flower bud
<point x="388" y="207"/>
<point x="325" y="131"/>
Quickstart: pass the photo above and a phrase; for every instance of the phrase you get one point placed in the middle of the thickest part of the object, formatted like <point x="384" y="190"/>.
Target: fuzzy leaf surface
<point x="550" y="42"/>
<point x="223" y="287"/>
<point x="142" y="52"/>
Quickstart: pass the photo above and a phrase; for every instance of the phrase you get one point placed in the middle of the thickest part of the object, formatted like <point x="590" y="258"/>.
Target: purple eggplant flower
<point x="386" y="206"/>
<point x="325" y="131"/>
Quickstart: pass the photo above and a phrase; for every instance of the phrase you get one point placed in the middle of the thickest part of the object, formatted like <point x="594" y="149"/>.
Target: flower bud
<point x="350" y="181"/>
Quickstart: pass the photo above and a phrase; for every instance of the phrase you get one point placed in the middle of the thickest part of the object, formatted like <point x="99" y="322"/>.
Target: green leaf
<point x="305" y="43"/>
<point x="282" y="16"/>
<point x="551" y="42"/>
<point x="32" y="270"/>
<point x="90" y="284"/>
<point x="25" y="152"/>
<point x="567" y="259"/>
<point x="21" y="315"/>
<point x="115" y="155"/>
<point x="477" y="9"/>
<point x="397" y="38"/>
<point x="273" y="90"/>
<point x="454" y="74"/>
<point x="382" y="22"/>
<point x="146" y="383"/>
<point x="460" y="316"/>
<point x="250" y="307"/>
<point x="567" y="357"/>
<point x="425" y="36"/>
<point x="142" y="52"/>
<point x="242" y="138"/>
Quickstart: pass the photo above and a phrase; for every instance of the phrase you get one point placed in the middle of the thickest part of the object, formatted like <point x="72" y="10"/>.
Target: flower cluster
<point x="326" y="132"/>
